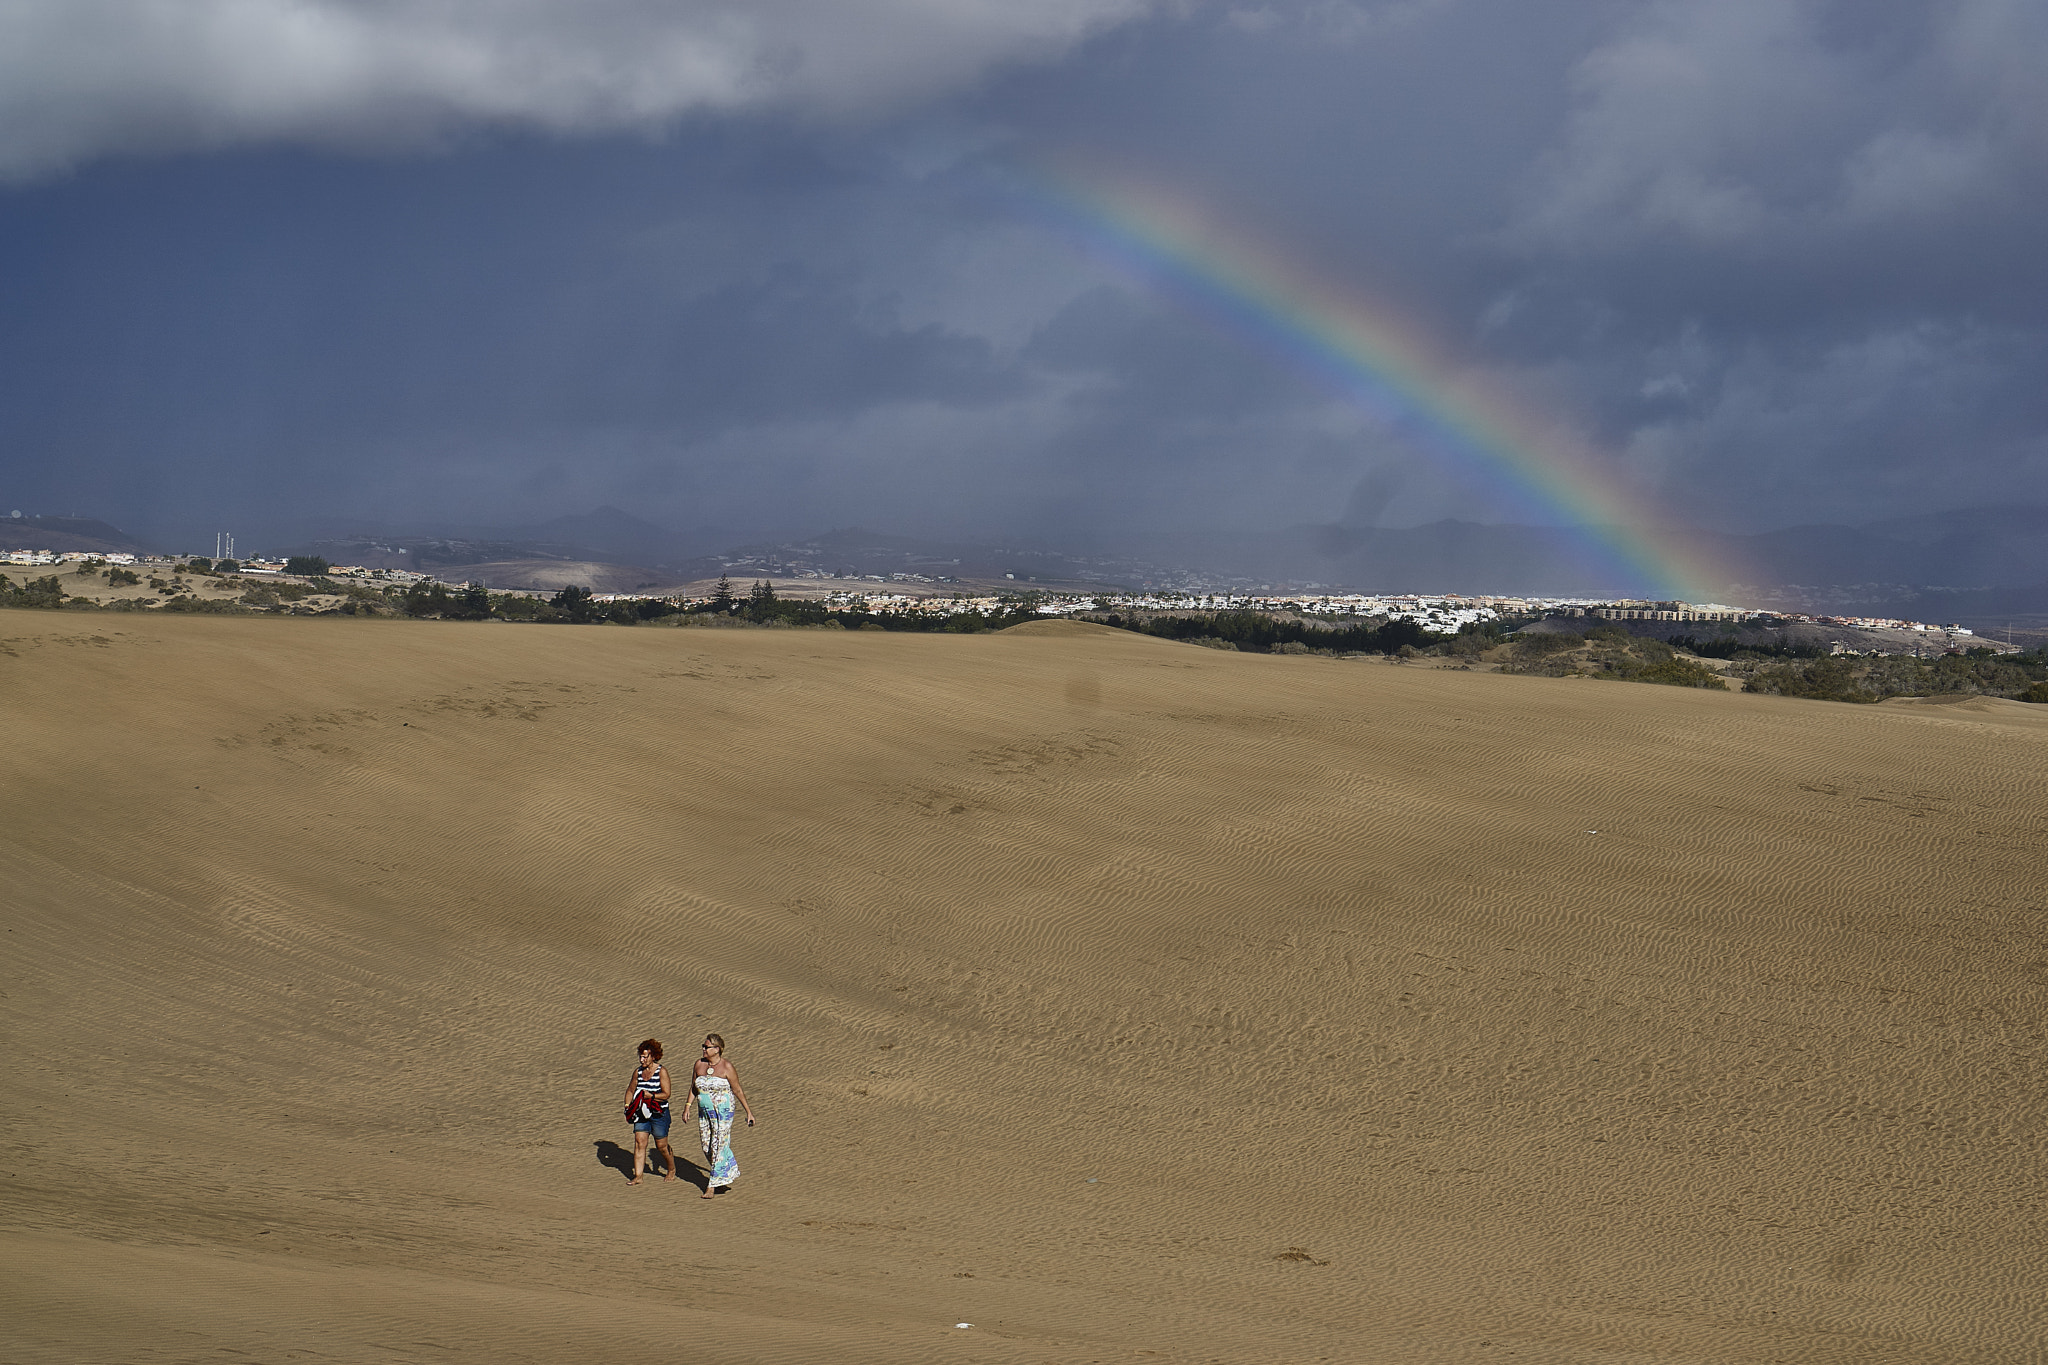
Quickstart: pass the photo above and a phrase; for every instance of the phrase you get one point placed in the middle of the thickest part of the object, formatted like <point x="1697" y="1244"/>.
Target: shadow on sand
<point x="614" y="1157"/>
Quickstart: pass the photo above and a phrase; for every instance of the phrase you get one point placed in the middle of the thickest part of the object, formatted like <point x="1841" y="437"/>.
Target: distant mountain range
<point x="64" y="535"/>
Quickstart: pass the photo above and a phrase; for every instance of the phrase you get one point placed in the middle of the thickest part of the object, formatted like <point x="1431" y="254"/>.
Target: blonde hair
<point x="717" y="1038"/>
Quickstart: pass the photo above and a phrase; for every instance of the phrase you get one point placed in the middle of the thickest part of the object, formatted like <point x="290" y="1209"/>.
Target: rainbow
<point x="1384" y="364"/>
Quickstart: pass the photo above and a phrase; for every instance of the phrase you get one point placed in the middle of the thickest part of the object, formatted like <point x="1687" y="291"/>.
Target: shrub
<point x="307" y="566"/>
<point x="215" y="607"/>
<point x="2037" y="693"/>
<point x="1677" y="672"/>
<point x="118" y="577"/>
<point x="41" y="592"/>
<point x="1830" y="679"/>
<point x="1546" y="644"/>
<point x="516" y="607"/>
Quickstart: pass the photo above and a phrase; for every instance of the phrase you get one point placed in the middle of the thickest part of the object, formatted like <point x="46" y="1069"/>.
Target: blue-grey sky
<point x="764" y="267"/>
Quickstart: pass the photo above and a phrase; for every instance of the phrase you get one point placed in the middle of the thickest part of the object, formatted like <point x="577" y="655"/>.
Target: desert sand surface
<point x="1127" y="1000"/>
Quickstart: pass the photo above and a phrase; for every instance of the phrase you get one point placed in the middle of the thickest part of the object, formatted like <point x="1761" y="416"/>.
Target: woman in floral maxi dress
<point x="713" y="1088"/>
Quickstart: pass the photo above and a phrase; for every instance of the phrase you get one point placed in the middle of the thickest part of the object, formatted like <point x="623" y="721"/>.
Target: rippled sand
<point x="1127" y="1000"/>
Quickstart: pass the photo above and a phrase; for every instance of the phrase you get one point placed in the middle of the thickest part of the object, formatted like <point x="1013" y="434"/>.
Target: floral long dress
<point x="714" y="1127"/>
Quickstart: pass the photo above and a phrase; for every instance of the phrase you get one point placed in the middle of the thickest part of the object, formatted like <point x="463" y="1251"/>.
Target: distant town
<point x="1437" y="613"/>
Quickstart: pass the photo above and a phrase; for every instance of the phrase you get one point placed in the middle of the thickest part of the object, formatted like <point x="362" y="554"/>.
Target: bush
<point x="1849" y="677"/>
<point x="1730" y="647"/>
<point x="214" y="607"/>
<point x="1677" y="672"/>
<point x="118" y="577"/>
<point x="1822" y="680"/>
<point x="307" y="566"/>
<point x="43" y="592"/>
<point x="1546" y="644"/>
<point x="516" y="607"/>
<point x="199" y="565"/>
<point x="2037" y="693"/>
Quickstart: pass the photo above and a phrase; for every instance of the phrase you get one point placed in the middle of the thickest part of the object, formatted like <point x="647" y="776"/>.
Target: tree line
<point x="1260" y="633"/>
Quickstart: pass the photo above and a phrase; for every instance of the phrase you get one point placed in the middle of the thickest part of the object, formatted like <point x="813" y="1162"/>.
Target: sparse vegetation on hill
<point x="1852" y="678"/>
<point x="1734" y="647"/>
<point x="210" y="606"/>
<point x="1608" y="652"/>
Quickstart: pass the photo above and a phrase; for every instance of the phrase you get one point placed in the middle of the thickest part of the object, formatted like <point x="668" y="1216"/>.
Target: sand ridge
<point x="1394" y="1013"/>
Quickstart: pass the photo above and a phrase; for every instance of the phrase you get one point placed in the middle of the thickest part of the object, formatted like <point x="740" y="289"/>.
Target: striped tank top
<point x="649" y="1085"/>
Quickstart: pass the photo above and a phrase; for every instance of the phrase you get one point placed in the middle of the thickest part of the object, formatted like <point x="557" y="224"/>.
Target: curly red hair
<point x="651" y="1046"/>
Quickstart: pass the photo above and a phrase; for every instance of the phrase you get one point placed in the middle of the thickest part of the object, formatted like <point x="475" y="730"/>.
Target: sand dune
<point x="1128" y="1000"/>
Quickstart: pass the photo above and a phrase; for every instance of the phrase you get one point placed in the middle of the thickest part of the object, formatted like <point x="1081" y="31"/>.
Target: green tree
<point x="429" y="599"/>
<point x="574" y="602"/>
<point x="761" y="601"/>
<point x="651" y="608"/>
<point x="307" y="566"/>
<point x="721" y="600"/>
<point x="475" y="603"/>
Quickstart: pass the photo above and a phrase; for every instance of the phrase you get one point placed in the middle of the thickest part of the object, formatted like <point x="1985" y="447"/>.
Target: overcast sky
<point x="771" y="266"/>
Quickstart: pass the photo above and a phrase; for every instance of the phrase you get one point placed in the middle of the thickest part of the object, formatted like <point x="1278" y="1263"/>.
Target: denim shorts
<point x="658" y="1125"/>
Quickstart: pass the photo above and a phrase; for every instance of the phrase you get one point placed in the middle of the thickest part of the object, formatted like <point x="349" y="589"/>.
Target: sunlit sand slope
<point x="1125" y="999"/>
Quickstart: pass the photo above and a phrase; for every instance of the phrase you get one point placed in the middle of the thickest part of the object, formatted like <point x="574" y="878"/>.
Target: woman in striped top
<point x="647" y="1106"/>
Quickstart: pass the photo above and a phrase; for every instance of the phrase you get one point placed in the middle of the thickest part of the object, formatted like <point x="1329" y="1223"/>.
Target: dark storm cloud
<point x="84" y="78"/>
<point x="275" y="317"/>
<point x="1780" y="259"/>
<point x="1790" y="253"/>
